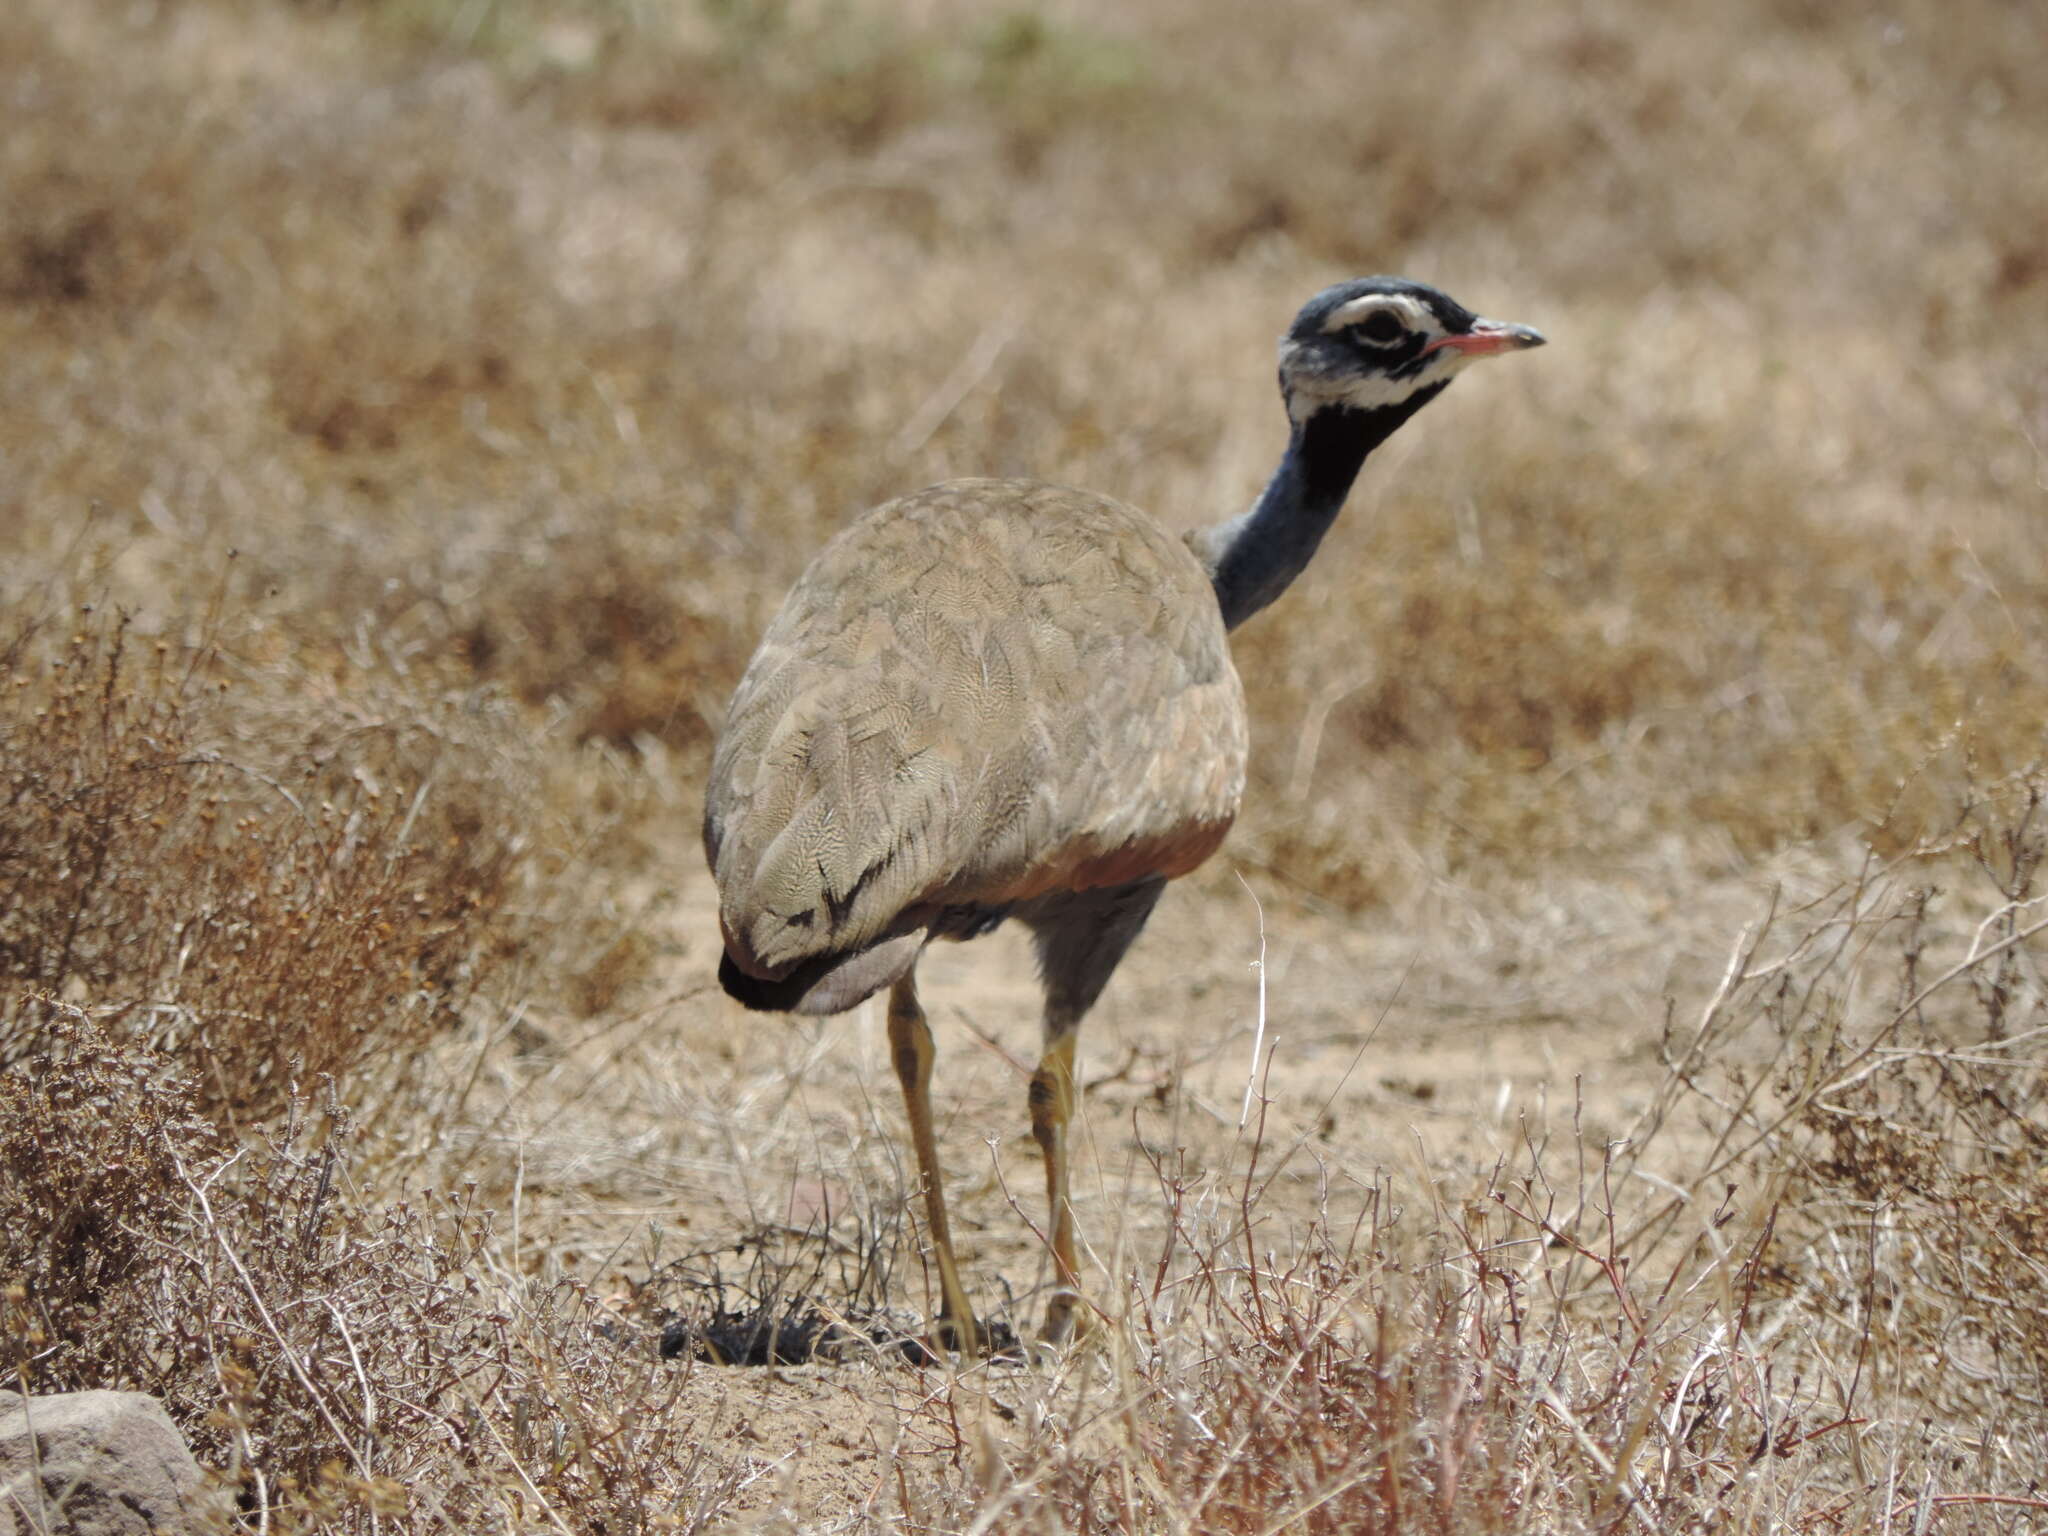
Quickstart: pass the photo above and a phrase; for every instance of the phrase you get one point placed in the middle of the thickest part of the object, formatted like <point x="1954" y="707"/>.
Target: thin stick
<point x="298" y="1369"/>
<point x="980" y="358"/>
<point x="1251" y="1077"/>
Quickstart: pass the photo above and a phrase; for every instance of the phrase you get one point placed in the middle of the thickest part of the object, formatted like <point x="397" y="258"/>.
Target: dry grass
<point x="283" y="889"/>
<point x="410" y="413"/>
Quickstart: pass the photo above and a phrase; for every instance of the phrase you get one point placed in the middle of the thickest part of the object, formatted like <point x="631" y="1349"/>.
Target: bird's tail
<point x="826" y="983"/>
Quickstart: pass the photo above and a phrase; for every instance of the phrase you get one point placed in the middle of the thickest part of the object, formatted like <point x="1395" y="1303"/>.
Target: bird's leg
<point x="1081" y="935"/>
<point x="1052" y="1105"/>
<point x="910" y="1044"/>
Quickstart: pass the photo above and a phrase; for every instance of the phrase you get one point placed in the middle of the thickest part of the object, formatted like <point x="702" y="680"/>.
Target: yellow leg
<point x="1052" y="1105"/>
<point x="910" y="1043"/>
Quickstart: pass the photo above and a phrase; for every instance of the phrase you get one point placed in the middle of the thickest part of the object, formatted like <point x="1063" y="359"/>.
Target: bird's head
<point x="1379" y="342"/>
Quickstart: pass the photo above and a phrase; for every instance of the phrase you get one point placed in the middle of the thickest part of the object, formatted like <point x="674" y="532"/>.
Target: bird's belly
<point x="1167" y="857"/>
<point x="1089" y="866"/>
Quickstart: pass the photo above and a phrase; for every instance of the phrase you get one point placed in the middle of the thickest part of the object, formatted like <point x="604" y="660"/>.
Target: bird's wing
<point x="976" y="694"/>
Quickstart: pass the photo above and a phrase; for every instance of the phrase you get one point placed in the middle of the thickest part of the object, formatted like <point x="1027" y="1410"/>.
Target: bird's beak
<point x="1488" y="338"/>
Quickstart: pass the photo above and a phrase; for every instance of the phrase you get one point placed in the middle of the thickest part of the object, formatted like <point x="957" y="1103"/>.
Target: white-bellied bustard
<point x="1000" y="699"/>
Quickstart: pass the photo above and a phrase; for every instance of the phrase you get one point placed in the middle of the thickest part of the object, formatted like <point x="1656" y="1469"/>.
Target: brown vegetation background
<point x="410" y="413"/>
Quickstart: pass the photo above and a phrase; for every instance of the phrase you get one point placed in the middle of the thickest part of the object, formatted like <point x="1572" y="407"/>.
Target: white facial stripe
<point x="1310" y="388"/>
<point x="1414" y="314"/>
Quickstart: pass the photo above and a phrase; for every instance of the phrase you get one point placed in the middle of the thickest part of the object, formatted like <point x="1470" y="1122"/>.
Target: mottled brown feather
<point x="975" y="695"/>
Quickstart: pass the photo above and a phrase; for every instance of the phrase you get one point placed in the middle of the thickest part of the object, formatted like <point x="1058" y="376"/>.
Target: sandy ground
<point x="703" y="1128"/>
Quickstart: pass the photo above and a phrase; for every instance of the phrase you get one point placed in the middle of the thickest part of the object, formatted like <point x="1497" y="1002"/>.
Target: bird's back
<point x="975" y="695"/>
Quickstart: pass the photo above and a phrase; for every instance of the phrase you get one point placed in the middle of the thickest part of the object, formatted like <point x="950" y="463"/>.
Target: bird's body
<point x="1000" y="699"/>
<point x="977" y="695"/>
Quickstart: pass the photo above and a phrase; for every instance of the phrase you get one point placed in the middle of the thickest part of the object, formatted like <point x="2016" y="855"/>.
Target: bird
<point x="1000" y="700"/>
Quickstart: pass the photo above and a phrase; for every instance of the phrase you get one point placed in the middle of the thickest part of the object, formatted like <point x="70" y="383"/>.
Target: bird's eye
<point x="1381" y="327"/>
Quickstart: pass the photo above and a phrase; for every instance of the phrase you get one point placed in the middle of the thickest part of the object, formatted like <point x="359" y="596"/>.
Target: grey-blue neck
<point x="1253" y="558"/>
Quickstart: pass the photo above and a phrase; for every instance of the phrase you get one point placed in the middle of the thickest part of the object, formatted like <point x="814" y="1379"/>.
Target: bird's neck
<point x="1253" y="558"/>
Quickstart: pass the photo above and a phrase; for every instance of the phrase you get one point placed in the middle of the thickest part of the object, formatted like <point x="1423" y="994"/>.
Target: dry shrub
<point x="1872" y="1066"/>
<point x="1507" y="1362"/>
<point x="251" y="882"/>
<point x="1899" y="1097"/>
<point x="362" y="1357"/>
<point x="337" y="1358"/>
<point x="629" y="652"/>
<point x="270" y="887"/>
<point x="91" y="1141"/>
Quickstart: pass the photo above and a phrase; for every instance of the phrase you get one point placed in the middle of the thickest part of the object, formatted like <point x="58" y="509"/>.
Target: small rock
<point x="110" y="1464"/>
